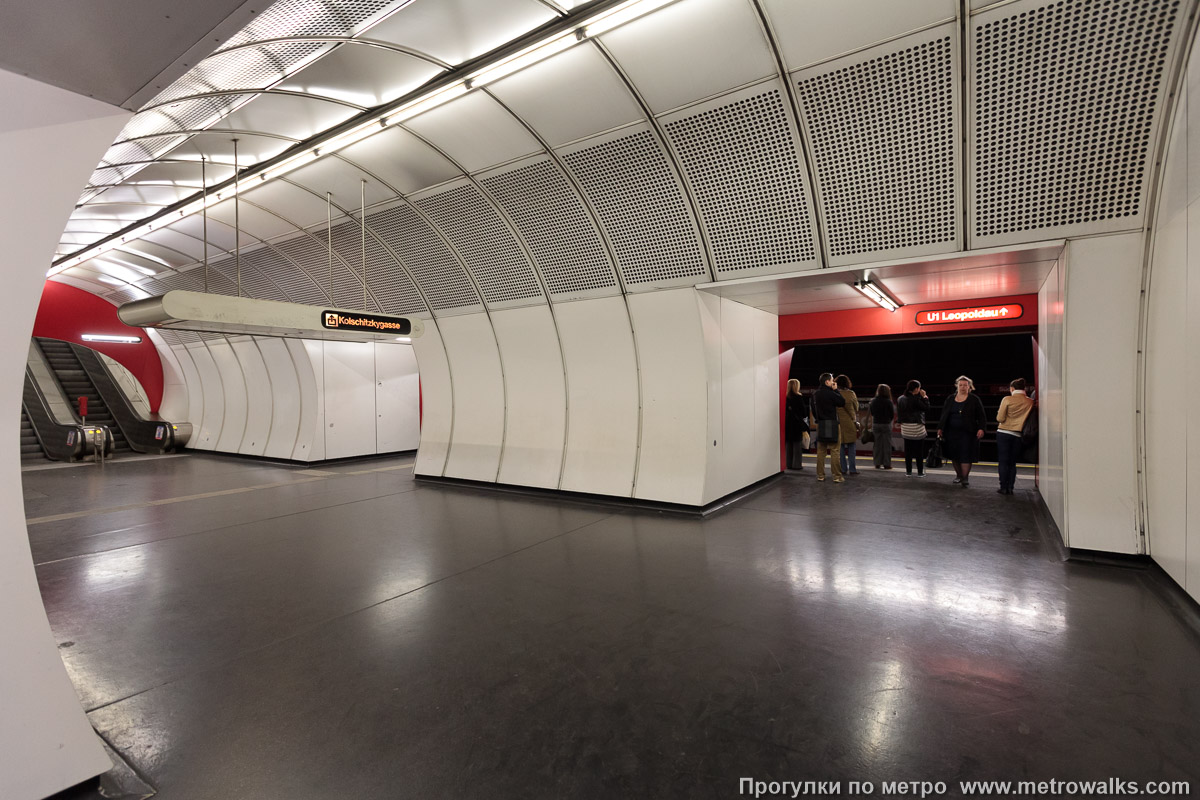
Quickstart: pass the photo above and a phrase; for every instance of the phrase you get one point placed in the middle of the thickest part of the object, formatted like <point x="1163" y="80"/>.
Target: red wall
<point x="66" y="313"/>
<point x="865" y="323"/>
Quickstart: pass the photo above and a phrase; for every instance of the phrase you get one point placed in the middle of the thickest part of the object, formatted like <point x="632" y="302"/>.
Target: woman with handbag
<point x="849" y="424"/>
<point x="825" y="402"/>
<point x="911" y="414"/>
<point x="880" y="413"/>
<point x="795" y="425"/>
<point x="961" y="429"/>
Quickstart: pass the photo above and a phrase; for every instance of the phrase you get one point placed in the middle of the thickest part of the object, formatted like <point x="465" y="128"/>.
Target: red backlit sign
<point x="948" y="316"/>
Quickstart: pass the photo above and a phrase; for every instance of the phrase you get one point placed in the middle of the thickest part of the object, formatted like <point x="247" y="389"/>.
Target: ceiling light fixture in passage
<point x="875" y="293"/>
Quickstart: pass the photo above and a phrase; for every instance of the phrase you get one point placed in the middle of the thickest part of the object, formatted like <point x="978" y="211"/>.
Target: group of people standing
<point x="831" y="417"/>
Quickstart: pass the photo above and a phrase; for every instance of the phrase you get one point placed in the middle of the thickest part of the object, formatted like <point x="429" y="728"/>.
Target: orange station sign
<point x="950" y="316"/>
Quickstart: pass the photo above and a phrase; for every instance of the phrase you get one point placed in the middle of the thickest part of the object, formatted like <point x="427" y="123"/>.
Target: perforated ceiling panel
<point x="1067" y="97"/>
<point x="431" y="262"/>
<point x="884" y="131"/>
<point x="641" y="205"/>
<point x="742" y="162"/>
<point x="312" y="18"/>
<point x="250" y="68"/>
<point x="296" y="284"/>
<point x="553" y="220"/>
<point x="184" y="115"/>
<point x="479" y="234"/>
<point x="312" y="258"/>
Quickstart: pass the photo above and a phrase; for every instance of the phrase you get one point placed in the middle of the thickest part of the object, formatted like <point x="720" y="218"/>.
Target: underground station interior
<point x="406" y="387"/>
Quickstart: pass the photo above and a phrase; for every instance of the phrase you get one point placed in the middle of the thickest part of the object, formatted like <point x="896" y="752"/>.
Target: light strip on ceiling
<point x="104" y="337"/>
<point x="595" y="25"/>
<point x="875" y="293"/>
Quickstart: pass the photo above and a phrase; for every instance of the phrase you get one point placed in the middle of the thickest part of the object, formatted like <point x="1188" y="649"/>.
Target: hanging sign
<point x="950" y="316"/>
<point x="373" y="323"/>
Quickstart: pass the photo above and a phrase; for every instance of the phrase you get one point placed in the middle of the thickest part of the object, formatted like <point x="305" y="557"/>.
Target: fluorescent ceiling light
<point x="104" y="337"/>
<point x="875" y="293"/>
<point x="595" y="25"/>
<point x="405" y="339"/>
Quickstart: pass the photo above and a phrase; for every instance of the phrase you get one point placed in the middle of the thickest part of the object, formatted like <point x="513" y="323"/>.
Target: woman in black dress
<point x="795" y="424"/>
<point x="961" y="429"/>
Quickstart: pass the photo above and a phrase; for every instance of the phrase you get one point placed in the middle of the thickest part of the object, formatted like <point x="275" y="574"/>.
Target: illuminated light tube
<point x="601" y="23"/>
<point x="876" y="294"/>
<point x="405" y="339"/>
<point x="110" y="338"/>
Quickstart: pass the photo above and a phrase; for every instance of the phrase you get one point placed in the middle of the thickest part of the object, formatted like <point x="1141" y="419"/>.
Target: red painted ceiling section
<point x="866" y="323"/>
<point x="67" y="313"/>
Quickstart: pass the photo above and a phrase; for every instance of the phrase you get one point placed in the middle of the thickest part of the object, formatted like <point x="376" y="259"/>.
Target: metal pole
<point x="204" y="190"/>
<point x="237" y="225"/>
<point x="329" y="238"/>
<point x="363" y="213"/>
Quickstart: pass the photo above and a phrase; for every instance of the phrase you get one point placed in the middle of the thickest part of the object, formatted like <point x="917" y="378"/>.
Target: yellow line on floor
<point x="315" y="475"/>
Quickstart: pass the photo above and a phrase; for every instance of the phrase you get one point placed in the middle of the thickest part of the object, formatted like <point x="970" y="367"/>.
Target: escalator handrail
<point x="59" y="442"/>
<point x="143" y="435"/>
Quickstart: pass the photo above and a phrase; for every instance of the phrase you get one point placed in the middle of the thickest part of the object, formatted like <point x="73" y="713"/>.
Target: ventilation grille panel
<point x="312" y="257"/>
<point x="312" y="18"/>
<point x="1087" y="79"/>
<point x="642" y="209"/>
<point x="885" y="147"/>
<point x="347" y="279"/>
<point x="434" y="266"/>
<point x="295" y="284"/>
<point x="195" y="114"/>
<point x="744" y="168"/>
<point x="554" y="222"/>
<point x="470" y="223"/>
<point x="252" y="68"/>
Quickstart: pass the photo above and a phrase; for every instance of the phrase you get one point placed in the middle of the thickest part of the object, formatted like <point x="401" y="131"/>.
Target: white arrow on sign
<point x="1004" y="311"/>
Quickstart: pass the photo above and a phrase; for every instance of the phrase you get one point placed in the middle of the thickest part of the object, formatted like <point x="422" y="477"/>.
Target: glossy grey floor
<point x="238" y="629"/>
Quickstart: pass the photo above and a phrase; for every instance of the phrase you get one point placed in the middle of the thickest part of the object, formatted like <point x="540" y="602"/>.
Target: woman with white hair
<point x="961" y="429"/>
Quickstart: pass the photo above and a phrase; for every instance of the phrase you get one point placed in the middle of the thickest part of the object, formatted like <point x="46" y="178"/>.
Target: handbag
<point x="827" y="431"/>
<point x="805" y="440"/>
<point x="934" y="460"/>
<point x="1029" y="431"/>
<point x="868" y="436"/>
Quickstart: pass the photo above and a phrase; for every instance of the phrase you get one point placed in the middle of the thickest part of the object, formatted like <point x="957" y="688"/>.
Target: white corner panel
<point x="213" y="402"/>
<point x="397" y="398"/>
<point x="349" y="369"/>
<point x="811" y="31"/>
<point x="692" y="50"/>
<point x="308" y="358"/>
<point x="1103" y="285"/>
<point x="475" y="131"/>
<point x="259" y="397"/>
<point x="479" y="400"/>
<point x="570" y="96"/>
<point x="674" y="372"/>
<point x="233" y="387"/>
<point x="437" y="401"/>
<point x="602" y="384"/>
<point x="1051" y="475"/>
<point x="286" y="399"/>
<point x="536" y="406"/>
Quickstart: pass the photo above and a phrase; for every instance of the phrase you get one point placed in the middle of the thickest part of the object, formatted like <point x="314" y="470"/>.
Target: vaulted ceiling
<point x="512" y="152"/>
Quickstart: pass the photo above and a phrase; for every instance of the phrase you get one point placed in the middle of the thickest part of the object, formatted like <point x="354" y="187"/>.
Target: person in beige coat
<point x="848" y="426"/>
<point x="1014" y="410"/>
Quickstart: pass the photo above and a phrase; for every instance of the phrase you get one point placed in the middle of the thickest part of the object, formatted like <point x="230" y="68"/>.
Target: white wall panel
<point x="174" y="405"/>
<point x="310" y="441"/>
<point x="670" y="343"/>
<point x="1051" y="423"/>
<point x="213" y="398"/>
<point x="1103" y="288"/>
<point x="536" y="407"/>
<point x="349" y="369"/>
<point x="437" y="401"/>
<point x="602" y="386"/>
<point x="397" y="398"/>
<point x="191" y="375"/>
<point x="233" y="387"/>
<point x="478" y="430"/>
<point x="259" y="397"/>
<point x="285" y="397"/>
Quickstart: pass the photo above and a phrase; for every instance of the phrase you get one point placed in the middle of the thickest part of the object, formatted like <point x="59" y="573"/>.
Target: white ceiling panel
<point x="368" y="76"/>
<point x="692" y="50"/>
<point x="297" y="205"/>
<point x="402" y="160"/>
<point x="179" y="173"/>
<point x="252" y="220"/>
<point x="81" y="238"/>
<point x="571" y="96"/>
<point x="217" y="147"/>
<point x="156" y="253"/>
<point x="809" y="31"/>
<point x="220" y="235"/>
<point x="133" y="193"/>
<point x="176" y="240"/>
<point x="343" y="181"/>
<point x="475" y="131"/>
<point x="297" y="117"/>
<point x="455" y="31"/>
<point x="117" y="211"/>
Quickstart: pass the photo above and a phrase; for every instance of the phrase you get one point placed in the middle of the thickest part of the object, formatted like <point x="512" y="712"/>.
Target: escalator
<point x="76" y="383"/>
<point x="31" y="447"/>
<point x="82" y="372"/>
